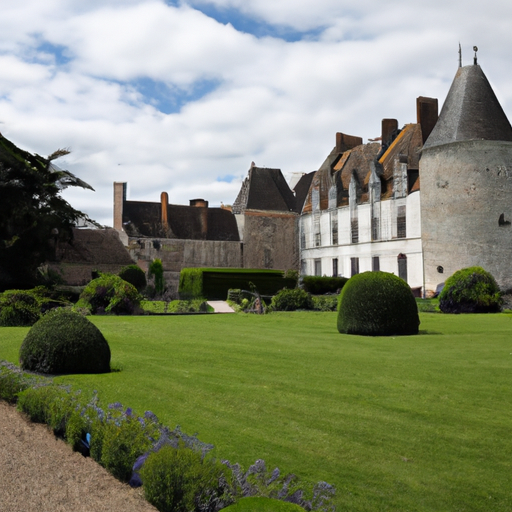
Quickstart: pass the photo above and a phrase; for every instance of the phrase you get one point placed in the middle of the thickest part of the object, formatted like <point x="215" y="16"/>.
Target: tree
<point x="33" y="215"/>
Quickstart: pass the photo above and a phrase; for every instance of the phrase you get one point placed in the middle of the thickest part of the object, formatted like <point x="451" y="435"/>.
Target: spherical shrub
<point x="64" y="342"/>
<point x="470" y="290"/>
<point x="110" y="294"/>
<point x="291" y="300"/>
<point x="377" y="304"/>
<point x="133" y="274"/>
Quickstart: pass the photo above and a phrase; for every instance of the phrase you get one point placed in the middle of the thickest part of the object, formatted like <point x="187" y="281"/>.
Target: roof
<point x="471" y="111"/>
<point x="184" y="222"/>
<point x="95" y="246"/>
<point x="265" y="189"/>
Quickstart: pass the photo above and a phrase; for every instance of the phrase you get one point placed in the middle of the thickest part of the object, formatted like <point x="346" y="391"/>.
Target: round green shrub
<point x="64" y="342"/>
<point x="133" y="274"/>
<point x="291" y="300"/>
<point x="180" y="479"/>
<point x="377" y="304"/>
<point x="261" y="504"/>
<point x="470" y="290"/>
<point x="110" y="294"/>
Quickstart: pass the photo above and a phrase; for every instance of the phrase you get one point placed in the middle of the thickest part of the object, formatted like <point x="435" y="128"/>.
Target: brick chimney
<point x="427" y="114"/>
<point x="203" y="216"/>
<point x="389" y="131"/>
<point x="119" y="199"/>
<point x="164" y="202"/>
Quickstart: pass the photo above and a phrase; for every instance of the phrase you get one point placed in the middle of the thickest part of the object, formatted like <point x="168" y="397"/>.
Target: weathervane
<point x="475" y="48"/>
<point x="460" y="56"/>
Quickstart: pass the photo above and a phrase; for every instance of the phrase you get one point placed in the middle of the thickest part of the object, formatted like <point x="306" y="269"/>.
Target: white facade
<point x="363" y="237"/>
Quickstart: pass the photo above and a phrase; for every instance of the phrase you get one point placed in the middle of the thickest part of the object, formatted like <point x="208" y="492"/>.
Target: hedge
<point x="214" y="283"/>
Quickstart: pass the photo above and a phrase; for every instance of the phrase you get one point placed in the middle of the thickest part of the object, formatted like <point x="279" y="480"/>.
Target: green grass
<point x="412" y="423"/>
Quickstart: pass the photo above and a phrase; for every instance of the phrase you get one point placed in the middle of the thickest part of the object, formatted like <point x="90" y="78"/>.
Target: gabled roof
<point x="471" y="111"/>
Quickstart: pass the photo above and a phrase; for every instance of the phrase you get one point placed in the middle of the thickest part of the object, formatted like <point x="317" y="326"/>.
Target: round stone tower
<point x="466" y="184"/>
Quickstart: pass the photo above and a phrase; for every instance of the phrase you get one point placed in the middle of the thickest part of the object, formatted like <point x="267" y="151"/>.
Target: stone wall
<point x="270" y="241"/>
<point x="466" y="209"/>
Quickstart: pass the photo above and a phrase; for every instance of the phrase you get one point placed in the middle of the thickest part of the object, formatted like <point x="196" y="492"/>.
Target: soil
<point x="40" y="473"/>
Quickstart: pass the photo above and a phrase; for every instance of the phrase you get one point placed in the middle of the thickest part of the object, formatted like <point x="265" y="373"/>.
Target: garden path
<point x="40" y="473"/>
<point x="221" y="306"/>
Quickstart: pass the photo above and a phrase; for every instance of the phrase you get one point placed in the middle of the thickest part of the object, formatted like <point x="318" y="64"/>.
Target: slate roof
<point x="265" y="189"/>
<point x="471" y="111"/>
<point x="184" y="222"/>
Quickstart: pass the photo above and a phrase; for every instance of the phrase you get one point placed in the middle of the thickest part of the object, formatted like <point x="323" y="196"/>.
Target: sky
<point x="182" y="95"/>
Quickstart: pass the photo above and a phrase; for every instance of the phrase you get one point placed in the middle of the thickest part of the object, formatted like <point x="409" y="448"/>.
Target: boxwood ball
<point x="65" y="342"/>
<point x="377" y="304"/>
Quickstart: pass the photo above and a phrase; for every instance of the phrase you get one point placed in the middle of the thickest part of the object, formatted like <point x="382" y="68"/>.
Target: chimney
<point x="427" y="114"/>
<point x="345" y="142"/>
<point x="119" y="199"/>
<point x="389" y="131"/>
<point x="164" y="202"/>
<point x="203" y="215"/>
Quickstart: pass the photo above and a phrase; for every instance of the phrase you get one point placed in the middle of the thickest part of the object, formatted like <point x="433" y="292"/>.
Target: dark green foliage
<point x="377" y="304"/>
<point x="214" y="283"/>
<point x="19" y="308"/>
<point x="291" y="300"/>
<point x="110" y="294"/>
<point x="470" y="290"/>
<point x="33" y="215"/>
<point x="181" y="480"/>
<point x="156" y="269"/>
<point x="64" y="342"/>
<point x="325" y="302"/>
<point x="133" y="274"/>
<point x="22" y="308"/>
<point x="318" y="285"/>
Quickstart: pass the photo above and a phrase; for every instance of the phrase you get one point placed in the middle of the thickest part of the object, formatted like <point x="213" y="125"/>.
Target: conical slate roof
<point x="471" y="111"/>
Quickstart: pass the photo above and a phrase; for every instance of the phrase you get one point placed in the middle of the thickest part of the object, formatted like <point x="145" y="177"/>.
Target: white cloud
<point x="276" y="103"/>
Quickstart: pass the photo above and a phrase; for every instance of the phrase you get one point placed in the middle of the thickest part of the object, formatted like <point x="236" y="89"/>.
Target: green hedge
<point x="214" y="283"/>
<point x="318" y="285"/>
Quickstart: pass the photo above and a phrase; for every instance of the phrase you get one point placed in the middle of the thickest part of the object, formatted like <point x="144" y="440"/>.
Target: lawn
<point x="413" y="423"/>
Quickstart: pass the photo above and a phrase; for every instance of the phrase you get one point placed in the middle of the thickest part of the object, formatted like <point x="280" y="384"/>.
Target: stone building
<point x="364" y="210"/>
<point x="259" y="231"/>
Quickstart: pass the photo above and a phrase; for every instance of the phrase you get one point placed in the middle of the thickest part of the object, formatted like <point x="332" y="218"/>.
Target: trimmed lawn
<point x="412" y="423"/>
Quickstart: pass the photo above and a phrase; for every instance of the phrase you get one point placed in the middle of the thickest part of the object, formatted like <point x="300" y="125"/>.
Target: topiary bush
<point x="291" y="300"/>
<point x="156" y="269"/>
<point x="109" y="293"/>
<point x="470" y="290"/>
<point x="64" y="342"/>
<point x="133" y="274"/>
<point x="377" y="304"/>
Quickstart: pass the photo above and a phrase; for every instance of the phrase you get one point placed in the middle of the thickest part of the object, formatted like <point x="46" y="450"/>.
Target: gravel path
<point x="39" y="473"/>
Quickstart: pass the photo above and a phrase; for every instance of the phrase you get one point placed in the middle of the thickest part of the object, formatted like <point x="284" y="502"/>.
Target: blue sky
<point x="183" y="95"/>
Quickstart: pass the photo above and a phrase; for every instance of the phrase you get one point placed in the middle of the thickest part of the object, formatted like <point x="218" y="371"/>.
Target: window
<point x="334" y="228"/>
<point x="318" y="267"/>
<point x="335" y="267"/>
<point x="375" y="263"/>
<point x="354" y="230"/>
<point x="402" y="266"/>
<point x="401" y="224"/>
<point x="318" y="239"/>
<point x="375" y="228"/>
<point x="354" y="266"/>
<point x="302" y="240"/>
